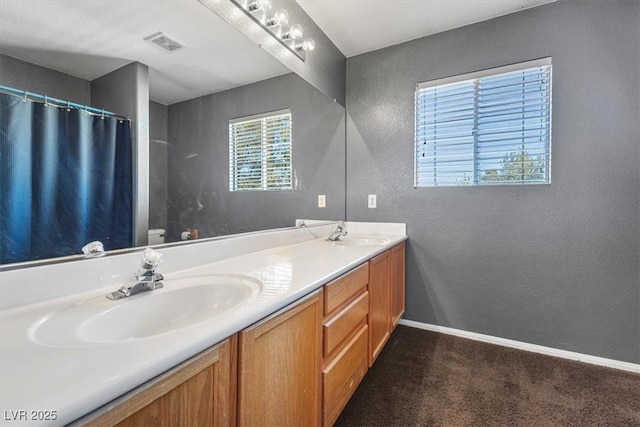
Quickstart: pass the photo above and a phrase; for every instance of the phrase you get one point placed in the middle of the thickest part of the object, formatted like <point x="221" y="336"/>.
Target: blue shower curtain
<point x="66" y="178"/>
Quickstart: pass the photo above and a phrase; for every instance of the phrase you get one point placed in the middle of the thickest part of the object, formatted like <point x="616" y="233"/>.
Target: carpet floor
<point x="424" y="378"/>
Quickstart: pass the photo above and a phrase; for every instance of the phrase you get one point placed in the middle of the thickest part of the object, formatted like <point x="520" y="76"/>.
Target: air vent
<point x="164" y="42"/>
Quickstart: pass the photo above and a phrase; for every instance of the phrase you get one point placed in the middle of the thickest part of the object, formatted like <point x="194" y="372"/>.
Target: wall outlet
<point x="322" y="201"/>
<point x="371" y="201"/>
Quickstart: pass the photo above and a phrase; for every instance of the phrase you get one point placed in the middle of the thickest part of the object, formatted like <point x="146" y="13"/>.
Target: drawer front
<point x="343" y="323"/>
<point x="343" y="375"/>
<point x="341" y="290"/>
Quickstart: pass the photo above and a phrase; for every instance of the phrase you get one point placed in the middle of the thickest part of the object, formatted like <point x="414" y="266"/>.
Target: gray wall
<point x="43" y="81"/>
<point x="125" y="91"/>
<point x="158" y="147"/>
<point x="552" y="265"/>
<point x="199" y="195"/>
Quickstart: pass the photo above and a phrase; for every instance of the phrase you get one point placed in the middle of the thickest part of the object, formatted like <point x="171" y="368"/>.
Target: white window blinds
<point x="486" y="128"/>
<point x="260" y="152"/>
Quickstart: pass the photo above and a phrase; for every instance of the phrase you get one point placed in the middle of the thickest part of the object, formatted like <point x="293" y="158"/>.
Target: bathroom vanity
<point x="292" y="351"/>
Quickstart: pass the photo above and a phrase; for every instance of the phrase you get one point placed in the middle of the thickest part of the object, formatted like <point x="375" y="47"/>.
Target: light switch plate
<point x="372" y="202"/>
<point x="322" y="201"/>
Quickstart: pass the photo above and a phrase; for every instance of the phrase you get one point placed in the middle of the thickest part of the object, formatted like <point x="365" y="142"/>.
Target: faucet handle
<point x="93" y="249"/>
<point x="150" y="260"/>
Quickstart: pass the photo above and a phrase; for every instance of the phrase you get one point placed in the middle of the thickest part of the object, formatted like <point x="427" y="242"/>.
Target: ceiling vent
<point x="163" y="42"/>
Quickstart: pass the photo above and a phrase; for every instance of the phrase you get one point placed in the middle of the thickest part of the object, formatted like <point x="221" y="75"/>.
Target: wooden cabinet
<point x="379" y="307"/>
<point x="397" y="254"/>
<point x="198" y="392"/>
<point x="345" y="340"/>
<point x="279" y="368"/>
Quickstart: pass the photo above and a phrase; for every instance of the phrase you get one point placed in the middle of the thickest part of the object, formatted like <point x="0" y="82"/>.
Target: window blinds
<point x="486" y="128"/>
<point x="260" y="152"/>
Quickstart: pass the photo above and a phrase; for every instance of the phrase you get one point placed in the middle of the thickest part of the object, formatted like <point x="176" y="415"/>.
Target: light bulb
<point x="279" y="18"/>
<point x="308" y="44"/>
<point x="294" y="32"/>
<point x="282" y="17"/>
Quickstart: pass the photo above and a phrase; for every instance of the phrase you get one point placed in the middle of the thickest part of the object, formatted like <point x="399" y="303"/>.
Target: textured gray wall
<point x="43" y="81"/>
<point x="552" y="265"/>
<point x="125" y="91"/>
<point x="199" y="195"/>
<point x="158" y="135"/>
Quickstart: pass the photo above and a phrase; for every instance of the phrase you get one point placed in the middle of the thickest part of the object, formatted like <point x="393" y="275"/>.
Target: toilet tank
<point x="156" y="236"/>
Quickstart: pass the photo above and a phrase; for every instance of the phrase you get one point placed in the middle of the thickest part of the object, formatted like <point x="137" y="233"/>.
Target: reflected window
<point x="487" y="128"/>
<point x="260" y="152"/>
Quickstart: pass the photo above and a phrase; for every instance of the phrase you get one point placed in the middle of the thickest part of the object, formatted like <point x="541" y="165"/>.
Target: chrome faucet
<point x="146" y="279"/>
<point x="340" y="231"/>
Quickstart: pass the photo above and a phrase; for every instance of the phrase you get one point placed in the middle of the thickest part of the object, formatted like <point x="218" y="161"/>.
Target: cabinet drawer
<point x="343" y="375"/>
<point x="341" y="290"/>
<point x="340" y="326"/>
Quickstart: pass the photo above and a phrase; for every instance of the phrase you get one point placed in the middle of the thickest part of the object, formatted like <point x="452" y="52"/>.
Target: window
<point x="487" y="128"/>
<point x="260" y="152"/>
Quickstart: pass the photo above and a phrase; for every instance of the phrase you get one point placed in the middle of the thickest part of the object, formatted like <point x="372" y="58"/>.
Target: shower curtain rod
<point x="59" y="102"/>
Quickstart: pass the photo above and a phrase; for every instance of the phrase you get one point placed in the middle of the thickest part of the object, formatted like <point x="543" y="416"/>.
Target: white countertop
<point x="75" y="380"/>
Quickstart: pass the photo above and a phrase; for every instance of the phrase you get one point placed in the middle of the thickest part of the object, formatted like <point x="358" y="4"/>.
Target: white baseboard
<point x="550" y="351"/>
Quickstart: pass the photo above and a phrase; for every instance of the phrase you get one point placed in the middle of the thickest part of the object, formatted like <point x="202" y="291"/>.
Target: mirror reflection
<point x="213" y="151"/>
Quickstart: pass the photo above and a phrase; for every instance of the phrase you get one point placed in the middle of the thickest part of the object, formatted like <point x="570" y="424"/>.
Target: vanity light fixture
<point x="276" y="24"/>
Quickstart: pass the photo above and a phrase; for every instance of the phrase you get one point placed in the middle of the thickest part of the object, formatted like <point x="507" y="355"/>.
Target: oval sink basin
<point x="181" y="303"/>
<point x="360" y="241"/>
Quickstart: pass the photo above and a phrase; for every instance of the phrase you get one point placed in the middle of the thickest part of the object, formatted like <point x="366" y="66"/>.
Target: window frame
<point x="475" y="76"/>
<point x="265" y="139"/>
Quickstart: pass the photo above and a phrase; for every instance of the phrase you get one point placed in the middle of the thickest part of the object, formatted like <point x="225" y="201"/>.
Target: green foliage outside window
<point x="515" y="167"/>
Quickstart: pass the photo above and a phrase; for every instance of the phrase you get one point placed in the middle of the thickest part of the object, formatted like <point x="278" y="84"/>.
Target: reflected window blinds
<point x="260" y="152"/>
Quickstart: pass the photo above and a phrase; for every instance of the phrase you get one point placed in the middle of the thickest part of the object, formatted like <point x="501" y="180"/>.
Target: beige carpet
<point x="423" y="378"/>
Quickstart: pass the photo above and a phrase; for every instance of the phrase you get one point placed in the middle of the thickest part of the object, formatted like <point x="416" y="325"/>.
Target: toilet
<point x="156" y="236"/>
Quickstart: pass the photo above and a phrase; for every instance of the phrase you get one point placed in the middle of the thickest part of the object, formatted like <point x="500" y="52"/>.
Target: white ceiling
<point x="90" y="38"/>
<point x="359" y="26"/>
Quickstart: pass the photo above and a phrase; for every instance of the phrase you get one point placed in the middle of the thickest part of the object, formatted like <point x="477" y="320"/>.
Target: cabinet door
<point x="279" y="368"/>
<point x="397" y="283"/>
<point x="379" y="307"/>
<point x="198" y="392"/>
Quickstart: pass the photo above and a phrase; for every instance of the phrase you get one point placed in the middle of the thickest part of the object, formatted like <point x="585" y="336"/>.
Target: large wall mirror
<point x="82" y="51"/>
